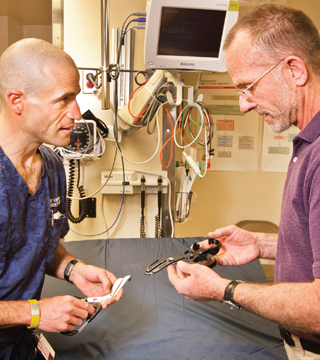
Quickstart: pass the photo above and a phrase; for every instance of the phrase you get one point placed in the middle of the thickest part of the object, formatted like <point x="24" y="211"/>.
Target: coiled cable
<point x="83" y="207"/>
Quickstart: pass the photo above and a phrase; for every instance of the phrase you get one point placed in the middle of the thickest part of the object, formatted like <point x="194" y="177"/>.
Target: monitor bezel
<point x="186" y="63"/>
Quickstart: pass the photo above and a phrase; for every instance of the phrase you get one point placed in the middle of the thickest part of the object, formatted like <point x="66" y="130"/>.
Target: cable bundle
<point x="195" y="134"/>
<point x="148" y="114"/>
<point x="190" y="132"/>
<point x="83" y="207"/>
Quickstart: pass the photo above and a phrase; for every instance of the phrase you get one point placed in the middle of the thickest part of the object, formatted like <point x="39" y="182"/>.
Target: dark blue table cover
<point x="153" y="321"/>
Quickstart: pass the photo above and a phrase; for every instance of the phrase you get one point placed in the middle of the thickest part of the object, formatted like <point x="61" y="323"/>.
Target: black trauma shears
<point x="193" y="255"/>
<point x="97" y="303"/>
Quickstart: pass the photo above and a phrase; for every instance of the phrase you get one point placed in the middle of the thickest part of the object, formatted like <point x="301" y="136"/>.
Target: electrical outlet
<point x="87" y="86"/>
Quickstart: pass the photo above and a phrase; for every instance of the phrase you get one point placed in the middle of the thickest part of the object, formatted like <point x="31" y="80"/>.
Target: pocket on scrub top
<point x="55" y="222"/>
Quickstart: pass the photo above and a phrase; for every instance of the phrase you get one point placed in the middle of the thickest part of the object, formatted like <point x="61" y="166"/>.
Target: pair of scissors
<point x="97" y="303"/>
<point x="193" y="255"/>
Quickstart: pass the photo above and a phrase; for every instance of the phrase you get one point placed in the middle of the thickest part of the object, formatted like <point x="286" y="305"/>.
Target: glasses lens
<point x="242" y="93"/>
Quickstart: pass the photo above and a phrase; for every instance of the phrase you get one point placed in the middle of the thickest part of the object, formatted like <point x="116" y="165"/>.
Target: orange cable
<point x="130" y="98"/>
<point x="170" y="139"/>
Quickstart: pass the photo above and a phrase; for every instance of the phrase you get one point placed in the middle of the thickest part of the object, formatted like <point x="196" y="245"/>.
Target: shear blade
<point x="118" y="285"/>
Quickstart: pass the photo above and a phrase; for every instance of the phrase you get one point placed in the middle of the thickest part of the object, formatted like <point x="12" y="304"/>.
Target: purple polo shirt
<point x="298" y="253"/>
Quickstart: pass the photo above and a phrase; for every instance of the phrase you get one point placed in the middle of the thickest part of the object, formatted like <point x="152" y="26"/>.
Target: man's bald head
<point x="23" y="66"/>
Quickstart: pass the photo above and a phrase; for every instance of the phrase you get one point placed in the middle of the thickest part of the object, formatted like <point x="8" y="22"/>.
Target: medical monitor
<point x="188" y="34"/>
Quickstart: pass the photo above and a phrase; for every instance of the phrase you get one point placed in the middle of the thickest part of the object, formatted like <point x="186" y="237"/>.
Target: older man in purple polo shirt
<point x="273" y="57"/>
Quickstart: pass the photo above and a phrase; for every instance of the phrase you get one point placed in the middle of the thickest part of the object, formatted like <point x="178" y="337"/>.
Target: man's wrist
<point x="228" y="295"/>
<point x="35" y="314"/>
<point x="69" y="268"/>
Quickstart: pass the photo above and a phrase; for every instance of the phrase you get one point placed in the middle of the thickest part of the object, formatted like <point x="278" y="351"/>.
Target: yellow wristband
<point x="35" y="314"/>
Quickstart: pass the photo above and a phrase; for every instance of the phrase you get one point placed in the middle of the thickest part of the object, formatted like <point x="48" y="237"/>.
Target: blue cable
<point x="123" y="172"/>
<point x="139" y="20"/>
<point x="121" y="205"/>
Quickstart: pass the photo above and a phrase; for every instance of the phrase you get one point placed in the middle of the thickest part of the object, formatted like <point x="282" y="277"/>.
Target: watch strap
<point x="35" y="314"/>
<point x="68" y="269"/>
<point x="228" y="294"/>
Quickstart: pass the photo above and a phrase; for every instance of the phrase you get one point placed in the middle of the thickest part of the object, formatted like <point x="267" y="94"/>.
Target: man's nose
<point x="246" y="105"/>
<point x="74" y="111"/>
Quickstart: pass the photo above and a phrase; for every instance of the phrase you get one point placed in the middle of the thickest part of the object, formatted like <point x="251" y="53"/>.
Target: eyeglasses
<point x="245" y="93"/>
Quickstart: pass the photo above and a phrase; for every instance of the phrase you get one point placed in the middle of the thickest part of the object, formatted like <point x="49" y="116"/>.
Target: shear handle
<point x="90" y="317"/>
<point x="98" y="307"/>
<point x="69" y="333"/>
<point x="212" y="250"/>
<point x="215" y="242"/>
<point x="200" y="258"/>
<point x="156" y="266"/>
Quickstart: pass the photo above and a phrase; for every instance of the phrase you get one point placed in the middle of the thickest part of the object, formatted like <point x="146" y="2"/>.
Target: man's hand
<point x="94" y="281"/>
<point x="63" y="313"/>
<point x="197" y="282"/>
<point x="238" y="246"/>
<point x="91" y="280"/>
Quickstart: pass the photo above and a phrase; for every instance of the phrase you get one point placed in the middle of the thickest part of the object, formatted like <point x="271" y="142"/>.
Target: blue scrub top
<point x="28" y="238"/>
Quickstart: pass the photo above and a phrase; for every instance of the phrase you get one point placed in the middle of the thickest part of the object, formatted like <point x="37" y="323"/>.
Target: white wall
<point x="11" y="31"/>
<point x="43" y="32"/>
<point x="15" y="31"/>
<point x="82" y="38"/>
<point x="225" y="198"/>
<point x="222" y="197"/>
<point x="4" y="33"/>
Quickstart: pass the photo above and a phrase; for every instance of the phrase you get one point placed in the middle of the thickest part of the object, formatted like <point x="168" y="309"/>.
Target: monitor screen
<point x="190" y="32"/>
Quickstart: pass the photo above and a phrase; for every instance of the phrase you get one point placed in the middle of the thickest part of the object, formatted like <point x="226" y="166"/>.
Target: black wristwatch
<point x="69" y="268"/>
<point x="228" y="295"/>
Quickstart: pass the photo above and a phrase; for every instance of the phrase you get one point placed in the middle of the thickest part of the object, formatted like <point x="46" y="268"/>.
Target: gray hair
<point x="278" y="31"/>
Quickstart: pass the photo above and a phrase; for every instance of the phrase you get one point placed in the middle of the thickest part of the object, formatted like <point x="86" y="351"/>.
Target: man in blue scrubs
<point x="38" y="88"/>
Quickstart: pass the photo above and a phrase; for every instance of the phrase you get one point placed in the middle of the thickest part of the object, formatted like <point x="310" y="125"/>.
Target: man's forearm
<point x="59" y="262"/>
<point x="14" y="313"/>
<point x="291" y="305"/>
<point x="267" y="243"/>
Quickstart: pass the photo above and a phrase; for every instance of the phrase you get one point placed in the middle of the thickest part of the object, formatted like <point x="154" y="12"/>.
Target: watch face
<point x="231" y="305"/>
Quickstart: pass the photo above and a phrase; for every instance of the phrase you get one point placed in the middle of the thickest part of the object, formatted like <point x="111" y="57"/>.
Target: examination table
<point x="153" y="321"/>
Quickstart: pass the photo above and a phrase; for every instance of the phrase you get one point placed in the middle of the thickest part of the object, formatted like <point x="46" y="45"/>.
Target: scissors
<point x="191" y="256"/>
<point x="97" y="303"/>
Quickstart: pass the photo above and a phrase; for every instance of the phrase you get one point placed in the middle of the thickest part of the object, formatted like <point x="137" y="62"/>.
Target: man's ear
<point x="15" y="100"/>
<point x="297" y="70"/>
